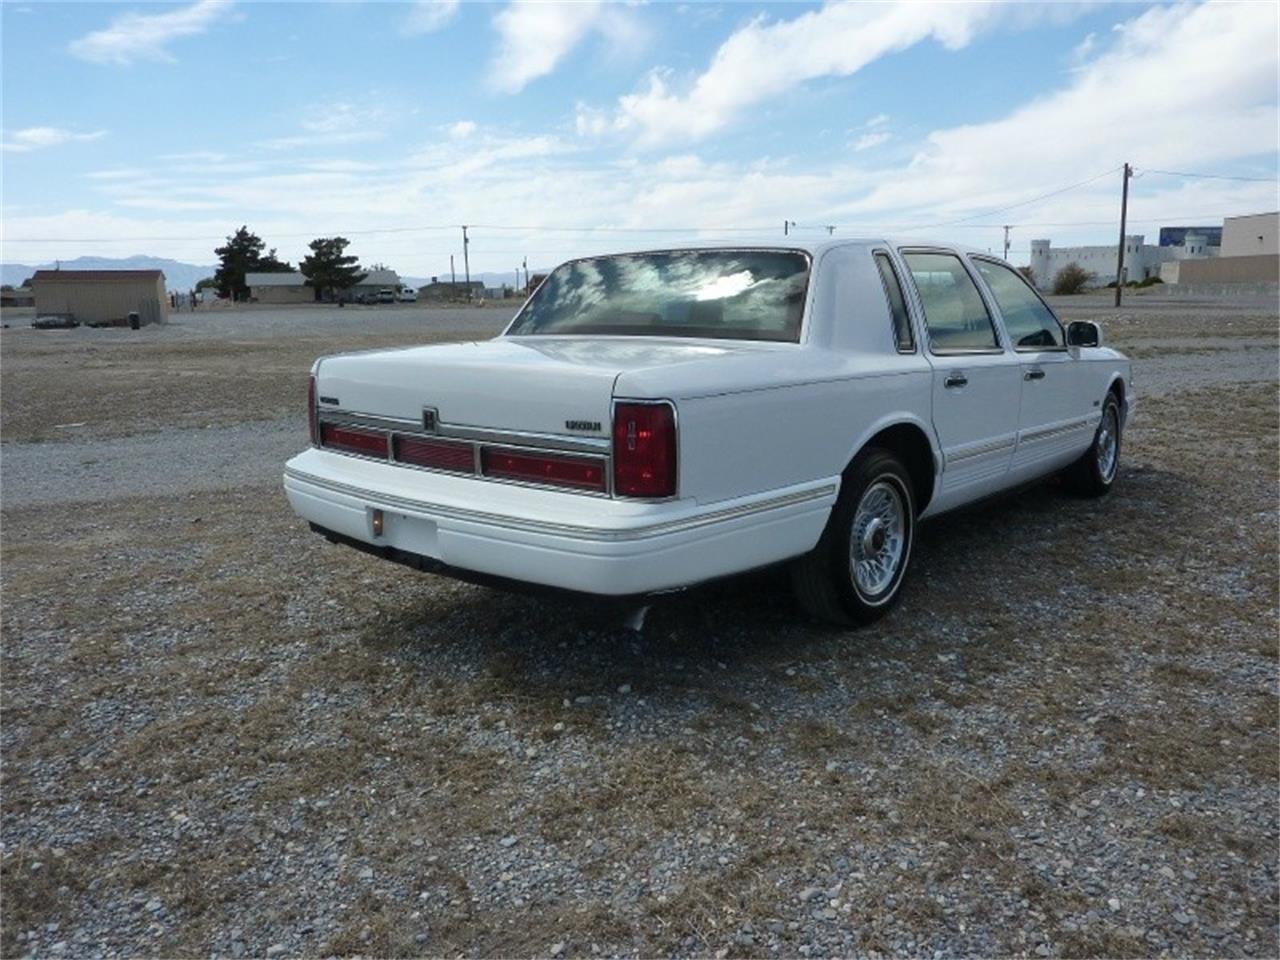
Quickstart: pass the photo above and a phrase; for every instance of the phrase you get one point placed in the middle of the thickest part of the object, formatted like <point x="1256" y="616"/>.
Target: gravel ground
<point x="151" y="464"/>
<point x="223" y="736"/>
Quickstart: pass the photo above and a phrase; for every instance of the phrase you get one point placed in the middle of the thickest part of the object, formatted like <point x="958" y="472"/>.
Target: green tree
<point x="206" y="282"/>
<point x="329" y="267"/>
<point x="1028" y="274"/>
<point x="1070" y="279"/>
<point x="243" y="254"/>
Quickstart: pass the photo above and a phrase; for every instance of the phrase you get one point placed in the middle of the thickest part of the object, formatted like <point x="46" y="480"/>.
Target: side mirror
<point x="1083" y="333"/>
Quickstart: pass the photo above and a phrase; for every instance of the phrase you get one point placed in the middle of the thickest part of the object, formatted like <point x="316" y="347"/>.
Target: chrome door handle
<point x="1035" y="374"/>
<point x="955" y="380"/>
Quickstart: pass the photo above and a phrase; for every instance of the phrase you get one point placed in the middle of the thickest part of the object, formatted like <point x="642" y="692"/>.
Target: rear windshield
<point x="720" y="294"/>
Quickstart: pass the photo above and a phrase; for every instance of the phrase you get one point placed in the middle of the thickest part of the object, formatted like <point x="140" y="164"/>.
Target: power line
<point x="544" y="229"/>
<point x="1023" y="203"/>
<point x="383" y="230"/>
<point x="1209" y="176"/>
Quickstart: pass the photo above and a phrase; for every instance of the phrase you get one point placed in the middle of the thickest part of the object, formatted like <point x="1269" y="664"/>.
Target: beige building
<point x="1256" y="235"/>
<point x="101" y="296"/>
<point x="279" y="288"/>
<point x="1250" y="254"/>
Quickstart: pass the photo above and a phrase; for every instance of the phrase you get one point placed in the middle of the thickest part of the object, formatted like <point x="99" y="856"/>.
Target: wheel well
<point x="911" y="445"/>
<point x="1117" y="387"/>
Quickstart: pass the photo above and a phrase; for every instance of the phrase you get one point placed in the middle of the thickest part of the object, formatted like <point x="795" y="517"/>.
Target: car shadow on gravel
<point x="723" y="635"/>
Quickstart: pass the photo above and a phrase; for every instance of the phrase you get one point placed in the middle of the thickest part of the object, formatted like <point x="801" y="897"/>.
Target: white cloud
<point x="869" y="140"/>
<point x="590" y="121"/>
<point x="146" y="36"/>
<point x="428" y="16"/>
<point x="462" y="129"/>
<point x="1132" y="101"/>
<point x="879" y="120"/>
<point x="1085" y="48"/>
<point x="117" y="173"/>
<point x="37" y="138"/>
<point x="537" y="36"/>
<point x="336" y="122"/>
<point x="765" y="59"/>
<point x="195" y="156"/>
<point x="321" y="139"/>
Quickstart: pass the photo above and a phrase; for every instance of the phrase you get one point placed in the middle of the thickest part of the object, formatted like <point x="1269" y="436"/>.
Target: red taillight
<point x="644" y="450"/>
<point x="436" y="454"/>
<point x="369" y="443"/>
<point x="580" y="473"/>
<point x="311" y="410"/>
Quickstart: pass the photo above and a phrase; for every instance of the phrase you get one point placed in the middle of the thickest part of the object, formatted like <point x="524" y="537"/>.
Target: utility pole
<point x="1007" y="228"/>
<point x="1124" y="213"/>
<point x="525" y="263"/>
<point x="466" y="260"/>
<point x="831" y="229"/>
<point x="786" y="227"/>
<point x="453" y="276"/>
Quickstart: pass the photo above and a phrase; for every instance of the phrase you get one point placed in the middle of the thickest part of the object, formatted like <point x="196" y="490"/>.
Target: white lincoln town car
<point x="655" y="419"/>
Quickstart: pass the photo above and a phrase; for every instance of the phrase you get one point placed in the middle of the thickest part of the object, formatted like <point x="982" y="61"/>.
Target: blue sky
<point x="159" y="128"/>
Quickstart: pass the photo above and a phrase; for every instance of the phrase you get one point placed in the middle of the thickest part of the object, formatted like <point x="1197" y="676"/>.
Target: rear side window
<point x="1029" y="322"/>
<point x="954" y="311"/>
<point x="897" y="304"/>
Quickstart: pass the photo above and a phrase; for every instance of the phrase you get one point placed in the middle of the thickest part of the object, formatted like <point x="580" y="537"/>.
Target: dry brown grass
<point x="120" y="389"/>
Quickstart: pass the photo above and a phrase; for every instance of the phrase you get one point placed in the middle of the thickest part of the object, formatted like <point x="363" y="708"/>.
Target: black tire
<point x="1089" y="476"/>
<point x="824" y="580"/>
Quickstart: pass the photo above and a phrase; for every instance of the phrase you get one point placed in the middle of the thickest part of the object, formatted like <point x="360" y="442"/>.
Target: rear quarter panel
<point x="770" y="438"/>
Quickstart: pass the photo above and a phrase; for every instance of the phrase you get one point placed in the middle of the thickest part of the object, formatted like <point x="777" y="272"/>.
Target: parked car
<point x="407" y="295"/>
<point x="54" y="322"/>
<point x="652" y="420"/>
<point x="386" y="295"/>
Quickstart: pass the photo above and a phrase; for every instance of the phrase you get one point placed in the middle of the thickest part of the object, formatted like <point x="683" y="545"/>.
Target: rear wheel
<point x="1094" y="473"/>
<point x="854" y="574"/>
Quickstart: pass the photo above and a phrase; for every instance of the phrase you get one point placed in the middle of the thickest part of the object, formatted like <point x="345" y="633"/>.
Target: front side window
<point x="897" y="304"/>
<point x="1029" y="322"/>
<point x="954" y="312"/>
<point x="720" y="294"/>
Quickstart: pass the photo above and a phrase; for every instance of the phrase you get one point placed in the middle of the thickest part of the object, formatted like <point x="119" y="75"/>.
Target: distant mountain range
<point x="184" y="276"/>
<point x="177" y="275"/>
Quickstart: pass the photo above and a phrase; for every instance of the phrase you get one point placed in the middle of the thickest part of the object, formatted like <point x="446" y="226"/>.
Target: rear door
<point x="977" y="382"/>
<point x="1055" y="423"/>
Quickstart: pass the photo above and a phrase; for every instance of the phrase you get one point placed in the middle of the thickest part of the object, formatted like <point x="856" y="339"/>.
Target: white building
<point x="1141" y="259"/>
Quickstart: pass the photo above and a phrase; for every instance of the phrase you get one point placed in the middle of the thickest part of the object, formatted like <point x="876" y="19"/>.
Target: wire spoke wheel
<point x="878" y="539"/>
<point x="1107" y="445"/>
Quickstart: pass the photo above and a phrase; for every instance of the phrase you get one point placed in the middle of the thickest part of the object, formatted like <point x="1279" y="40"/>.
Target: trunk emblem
<point x="591" y="426"/>
<point x="430" y="419"/>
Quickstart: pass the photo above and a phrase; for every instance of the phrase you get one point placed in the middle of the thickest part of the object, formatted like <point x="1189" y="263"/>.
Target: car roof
<point x="811" y="246"/>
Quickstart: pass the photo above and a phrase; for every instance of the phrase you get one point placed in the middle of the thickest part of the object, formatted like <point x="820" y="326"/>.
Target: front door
<point x="977" y="384"/>
<point x="1056" y="421"/>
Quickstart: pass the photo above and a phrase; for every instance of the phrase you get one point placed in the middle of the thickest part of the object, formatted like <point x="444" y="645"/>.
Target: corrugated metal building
<point x="374" y="281"/>
<point x="279" y="288"/>
<point x="101" y="296"/>
<point x="438" y="290"/>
